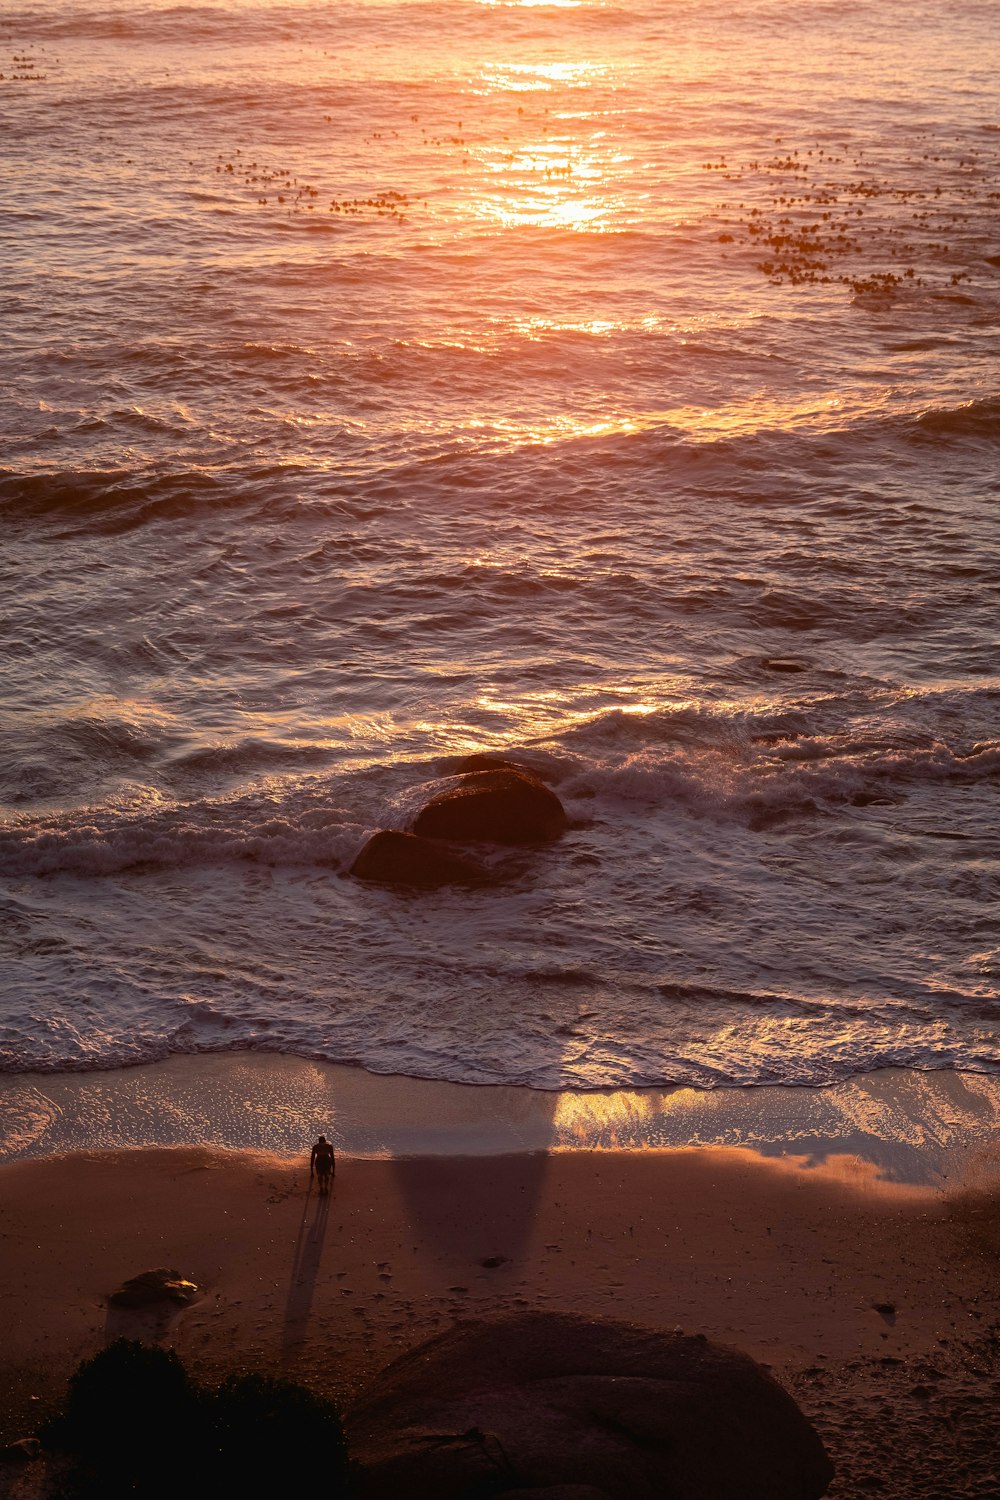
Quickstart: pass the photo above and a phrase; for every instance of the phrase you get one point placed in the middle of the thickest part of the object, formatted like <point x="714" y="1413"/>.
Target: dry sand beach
<point x="873" y="1300"/>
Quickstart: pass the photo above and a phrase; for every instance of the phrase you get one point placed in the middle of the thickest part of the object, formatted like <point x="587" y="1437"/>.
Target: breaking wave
<point x="749" y="769"/>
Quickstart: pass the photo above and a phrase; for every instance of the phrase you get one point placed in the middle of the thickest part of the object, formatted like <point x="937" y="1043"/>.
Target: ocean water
<point x="611" y="385"/>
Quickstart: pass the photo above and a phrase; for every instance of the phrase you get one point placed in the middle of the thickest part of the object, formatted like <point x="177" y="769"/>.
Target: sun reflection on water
<point x="557" y="175"/>
<point x="544" y="163"/>
<point x="529" y="77"/>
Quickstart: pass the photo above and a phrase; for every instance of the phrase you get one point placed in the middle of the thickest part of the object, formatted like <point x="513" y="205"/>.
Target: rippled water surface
<point x="613" y="385"/>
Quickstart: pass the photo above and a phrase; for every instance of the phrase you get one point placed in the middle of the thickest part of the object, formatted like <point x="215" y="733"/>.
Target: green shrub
<point x="138" y="1427"/>
<point x="123" y="1400"/>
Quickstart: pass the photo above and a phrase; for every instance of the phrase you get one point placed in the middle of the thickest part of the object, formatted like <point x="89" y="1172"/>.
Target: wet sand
<point x="918" y="1128"/>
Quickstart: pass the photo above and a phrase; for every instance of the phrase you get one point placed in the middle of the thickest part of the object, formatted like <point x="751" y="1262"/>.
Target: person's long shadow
<point x="305" y="1268"/>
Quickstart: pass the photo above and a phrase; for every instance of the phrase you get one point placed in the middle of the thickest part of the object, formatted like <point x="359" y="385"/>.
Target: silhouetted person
<point x="322" y="1163"/>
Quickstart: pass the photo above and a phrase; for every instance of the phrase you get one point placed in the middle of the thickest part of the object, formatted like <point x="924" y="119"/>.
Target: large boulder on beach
<point x="540" y="1401"/>
<point x="392" y="858"/>
<point x="152" y="1288"/>
<point x="556" y="1492"/>
<point x="500" y="806"/>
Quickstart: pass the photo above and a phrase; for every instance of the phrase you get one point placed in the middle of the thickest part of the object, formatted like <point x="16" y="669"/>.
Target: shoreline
<point x="913" y="1127"/>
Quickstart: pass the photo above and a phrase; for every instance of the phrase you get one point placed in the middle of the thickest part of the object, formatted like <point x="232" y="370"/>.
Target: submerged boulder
<point x="392" y="858"/>
<point x="500" y="806"/>
<point x="540" y="1401"/>
<point x="783" y="664"/>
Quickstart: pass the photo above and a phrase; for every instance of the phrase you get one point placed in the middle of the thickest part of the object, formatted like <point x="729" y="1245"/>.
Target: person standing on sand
<point x="322" y="1163"/>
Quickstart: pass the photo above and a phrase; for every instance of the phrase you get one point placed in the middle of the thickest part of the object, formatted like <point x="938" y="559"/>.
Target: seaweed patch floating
<point x="280" y="188"/>
<point x="835" y="214"/>
<point x="25" y="67"/>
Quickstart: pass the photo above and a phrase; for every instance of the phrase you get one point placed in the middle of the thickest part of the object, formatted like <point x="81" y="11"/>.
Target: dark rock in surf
<point x="784" y="664"/>
<point x="544" y="1400"/>
<point x="391" y="858"/>
<point x="484" y="762"/>
<point x="155" y="1287"/>
<point x="506" y="806"/>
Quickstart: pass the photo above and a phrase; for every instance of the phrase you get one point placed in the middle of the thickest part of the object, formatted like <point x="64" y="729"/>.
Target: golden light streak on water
<point x="538" y="328"/>
<point x="510" y="434"/>
<point x="696" y="424"/>
<point x="532" y="4"/>
<point x="759" y="414"/>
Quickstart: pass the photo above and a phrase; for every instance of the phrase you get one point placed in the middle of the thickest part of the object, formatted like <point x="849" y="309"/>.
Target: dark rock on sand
<point x="504" y="806"/>
<point x="405" y="859"/>
<point x="152" y="1287"/>
<point x="542" y="1400"/>
<point x="24" y="1451"/>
